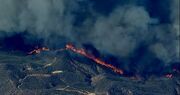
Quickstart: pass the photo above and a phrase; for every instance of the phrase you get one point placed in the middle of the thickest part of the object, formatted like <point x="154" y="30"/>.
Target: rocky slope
<point x="66" y="73"/>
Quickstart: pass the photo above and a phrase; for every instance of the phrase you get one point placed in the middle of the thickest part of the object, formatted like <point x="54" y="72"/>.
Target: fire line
<point x="97" y="60"/>
<point x="83" y="53"/>
<point x="38" y="50"/>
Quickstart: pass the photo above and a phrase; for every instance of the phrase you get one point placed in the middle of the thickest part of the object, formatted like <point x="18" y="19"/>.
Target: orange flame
<point x="38" y="50"/>
<point x="81" y="52"/>
<point x="97" y="60"/>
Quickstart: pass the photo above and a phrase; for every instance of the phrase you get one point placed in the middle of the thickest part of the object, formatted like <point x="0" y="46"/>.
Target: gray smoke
<point x="167" y="47"/>
<point x="40" y="17"/>
<point x="118" y="33"/>
<point x="122" y="30"/>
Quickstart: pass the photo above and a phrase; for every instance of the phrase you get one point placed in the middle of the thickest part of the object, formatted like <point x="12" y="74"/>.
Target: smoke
<point x="167" y="46"/>
<point x="39" y="17"/>
<point x="122" y="30"/>
<point x="118" y="31"/>
<point x="175" y="16"/>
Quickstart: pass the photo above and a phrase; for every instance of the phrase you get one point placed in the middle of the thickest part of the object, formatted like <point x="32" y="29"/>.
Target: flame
<point x="38" y="50"/>
<point x="169" y="76"/>
<point x="97" y="60"/>
<point x="81" y="52"/>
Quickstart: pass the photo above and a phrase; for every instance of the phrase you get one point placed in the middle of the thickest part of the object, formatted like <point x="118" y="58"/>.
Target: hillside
<point x="66" y="73"/>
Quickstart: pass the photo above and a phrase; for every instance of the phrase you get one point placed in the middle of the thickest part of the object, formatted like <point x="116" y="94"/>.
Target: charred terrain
<point x="67" y="73"/>
<point x="89" y="47"/>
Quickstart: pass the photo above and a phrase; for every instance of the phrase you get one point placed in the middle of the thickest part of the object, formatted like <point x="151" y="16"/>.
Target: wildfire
<point x="169" y="76"/>
<point x="38" y="50"/>
<point x="97" y="60"/>
<point x="81" y="52"/>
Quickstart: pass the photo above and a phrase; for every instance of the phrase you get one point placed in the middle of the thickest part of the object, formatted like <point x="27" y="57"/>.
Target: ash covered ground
<point x="139" y="37"/>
